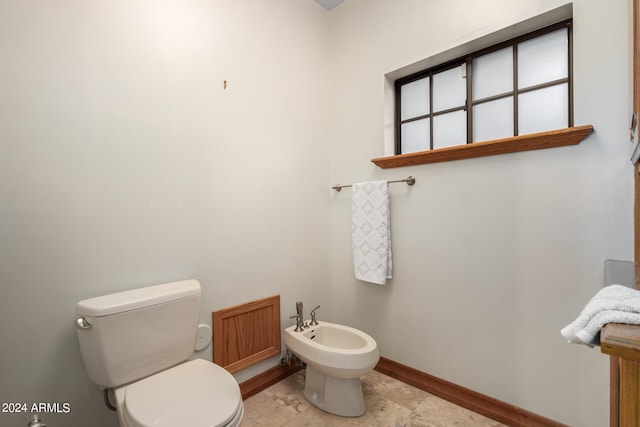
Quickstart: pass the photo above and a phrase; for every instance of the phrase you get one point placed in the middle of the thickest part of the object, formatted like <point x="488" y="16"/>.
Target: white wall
<point x="492" y="256"/>
<point x="124" y="163"/>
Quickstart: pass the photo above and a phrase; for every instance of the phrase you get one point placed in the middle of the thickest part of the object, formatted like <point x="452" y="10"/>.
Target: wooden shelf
<point x="621" y="340"/>
<point x="534" y="141"/>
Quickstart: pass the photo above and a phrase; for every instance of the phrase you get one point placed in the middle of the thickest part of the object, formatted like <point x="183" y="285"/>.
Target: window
<point x="518" y="87"/>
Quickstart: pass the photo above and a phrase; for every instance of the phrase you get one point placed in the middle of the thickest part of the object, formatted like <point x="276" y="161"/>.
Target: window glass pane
<point x="450" y="129"/>
<point x="415" y="136"/>
<point x="543" y="109"/>
<point x="414" y="99"/>
<point x="493" y="73"/>
<point x="543" y="59"/>
<point x="449" y="89"/>
<point x="493" y="119"/>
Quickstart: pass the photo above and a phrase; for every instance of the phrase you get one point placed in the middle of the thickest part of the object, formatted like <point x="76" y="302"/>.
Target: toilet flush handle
<point x="81" y="323"/>
<point x="36" y="422"/>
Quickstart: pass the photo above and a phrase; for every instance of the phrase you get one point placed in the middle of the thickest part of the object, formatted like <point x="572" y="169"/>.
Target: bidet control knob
<point x="314" y="322"/>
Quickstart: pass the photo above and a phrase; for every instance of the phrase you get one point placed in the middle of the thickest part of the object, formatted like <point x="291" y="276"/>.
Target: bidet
<point x="336" y="357"/>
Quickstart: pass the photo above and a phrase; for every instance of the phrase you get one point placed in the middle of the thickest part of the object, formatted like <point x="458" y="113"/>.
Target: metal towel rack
<point x="409" y="180"/>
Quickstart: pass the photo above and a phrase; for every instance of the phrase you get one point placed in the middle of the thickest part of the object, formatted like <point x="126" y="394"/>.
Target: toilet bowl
<point x="193" y="393"/>
<point x="336" y="357"/>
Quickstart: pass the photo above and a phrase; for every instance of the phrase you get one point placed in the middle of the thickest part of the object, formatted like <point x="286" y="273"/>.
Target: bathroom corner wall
<point x="124" y="162"/>
<point x="492" y="256"/>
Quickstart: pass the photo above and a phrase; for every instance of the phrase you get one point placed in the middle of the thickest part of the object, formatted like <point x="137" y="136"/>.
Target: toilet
<point x="336" y="357"/>
<point x="138" y="343"/>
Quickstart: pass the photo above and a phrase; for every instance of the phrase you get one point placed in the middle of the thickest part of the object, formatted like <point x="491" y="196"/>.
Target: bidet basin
<point x="333" y="349"/>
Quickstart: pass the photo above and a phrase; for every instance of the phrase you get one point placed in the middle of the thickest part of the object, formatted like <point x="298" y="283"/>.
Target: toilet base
<point x="338" y="396"/>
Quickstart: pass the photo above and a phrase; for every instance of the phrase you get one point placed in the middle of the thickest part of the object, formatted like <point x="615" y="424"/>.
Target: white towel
<point x="612" y="304"/>
<point x="371" y="231"/>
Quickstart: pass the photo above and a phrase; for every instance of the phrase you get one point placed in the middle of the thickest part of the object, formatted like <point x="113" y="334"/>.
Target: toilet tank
<point x="129" y="335"/>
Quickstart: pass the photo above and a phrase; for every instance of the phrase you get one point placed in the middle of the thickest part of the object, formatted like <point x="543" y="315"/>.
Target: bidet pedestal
<point x="338" y="396"/>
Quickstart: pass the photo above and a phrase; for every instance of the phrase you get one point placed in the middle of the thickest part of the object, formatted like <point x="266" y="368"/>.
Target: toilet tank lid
<point x="137" y="298"/>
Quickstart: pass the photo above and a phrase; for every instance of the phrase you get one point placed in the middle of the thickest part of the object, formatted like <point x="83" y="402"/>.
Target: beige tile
<point x="394" y="390"/>
<point x="288" y="393"/>
<point x="262" y="410"/>
<point x="384" y="412"/>
<point x="436" y="412"/>
<point x="380" y="412"/>
<point x="390" y="403"/>
<point x="315" y="417"/>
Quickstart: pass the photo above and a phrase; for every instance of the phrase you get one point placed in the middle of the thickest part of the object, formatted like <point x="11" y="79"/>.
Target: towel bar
<point x="409" y="180"/>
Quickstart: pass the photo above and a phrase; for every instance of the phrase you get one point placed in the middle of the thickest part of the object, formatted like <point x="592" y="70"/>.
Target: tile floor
<point x="390" y="403"/>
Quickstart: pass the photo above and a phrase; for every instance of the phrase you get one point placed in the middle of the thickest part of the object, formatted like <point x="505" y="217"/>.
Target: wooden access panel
<point x="246" y="334"/>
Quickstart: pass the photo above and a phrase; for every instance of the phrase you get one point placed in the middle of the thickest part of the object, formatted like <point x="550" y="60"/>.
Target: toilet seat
<point x="195" y="393"/>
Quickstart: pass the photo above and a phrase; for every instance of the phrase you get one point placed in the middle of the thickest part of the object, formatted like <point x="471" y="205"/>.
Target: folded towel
<point x="612" y="304"/>
<point x="371" y="232"/>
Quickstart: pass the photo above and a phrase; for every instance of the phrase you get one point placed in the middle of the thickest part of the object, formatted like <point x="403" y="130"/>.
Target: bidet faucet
<point x="299" y="318"/>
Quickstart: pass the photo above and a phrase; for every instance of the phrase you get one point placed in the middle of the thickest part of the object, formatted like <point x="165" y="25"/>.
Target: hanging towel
<point x="612" y="304"/>
<point x="371" y="231"/>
